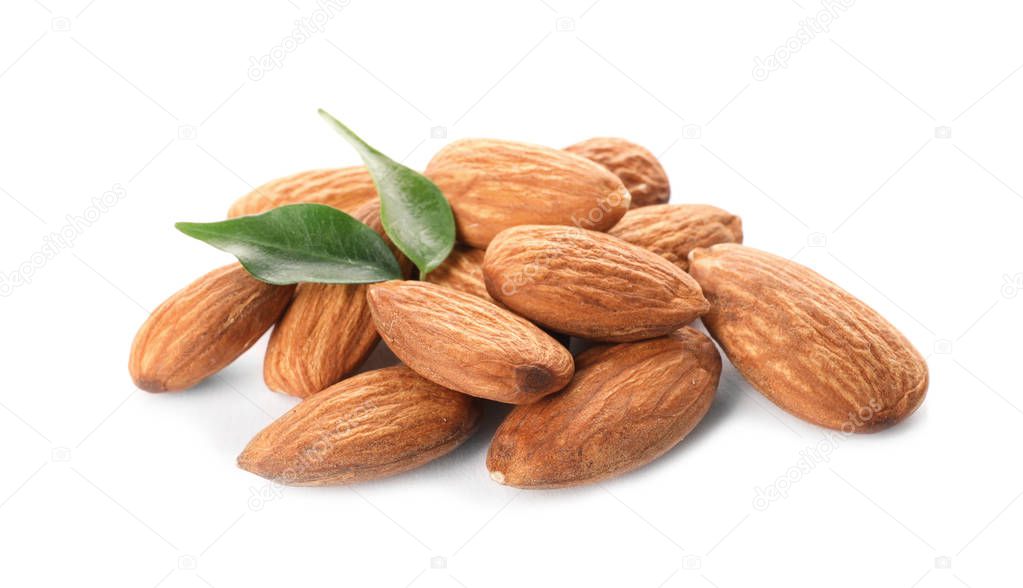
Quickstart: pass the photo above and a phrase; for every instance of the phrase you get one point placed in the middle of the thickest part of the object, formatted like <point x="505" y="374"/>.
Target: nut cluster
<point x="553" y="244"/>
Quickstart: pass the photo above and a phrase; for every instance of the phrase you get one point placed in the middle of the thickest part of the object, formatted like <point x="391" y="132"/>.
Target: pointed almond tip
<point x="247" y="461"/>
<point x="497" y="477"/>
<point x="154" y="385"/>
<point x="242" y="462"/>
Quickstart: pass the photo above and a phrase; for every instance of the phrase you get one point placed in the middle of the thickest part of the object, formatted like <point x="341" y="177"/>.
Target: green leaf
<point x="302" y="243"/>
<point x="414" y="212"/>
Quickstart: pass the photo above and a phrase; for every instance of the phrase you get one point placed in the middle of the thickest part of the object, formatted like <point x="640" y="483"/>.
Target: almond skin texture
<point x="373" y="425"/>
<point x="346" y="189"/>
<point x="634" y="165"/>
<point x="589" y="284"/>
<point x="326" y="332"/>
<point x="493" y="185"/>
<point x="201" y="329"/>
<point x="462" y="271"/>
<point x="806" y="344"/>
<point x="465" y="343"/>
<point x="673" y="230"/>
<point x="627" y="405"/>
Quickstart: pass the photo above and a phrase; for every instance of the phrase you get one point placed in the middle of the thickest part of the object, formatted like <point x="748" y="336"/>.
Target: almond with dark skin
<point x="673" y="230"/>
<point x="493" y="185"/>
<point x="204" y="327"/>
<point x="465" y="343"/>
<point x="634" y="165"/>
<point x="588" y="284"/>
<point x="809" y="346"/>
<point x="373" y="425"/>
<point x="346" y="189"/>
<point x="627" y="405"/>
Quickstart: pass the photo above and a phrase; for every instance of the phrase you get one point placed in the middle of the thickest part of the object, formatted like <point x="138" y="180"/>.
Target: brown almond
<point x="809" y="346"/>
<point x="627" y="405"/>
<point x="346" y="189"/>
<point x="373" y="425"/>
<point x="673" y="230"/>
<point x="204" y="327"/>
<point x="462" y="271"/>
<point x="634" y="165"/>
<point x="465" y="343"/>
<point x="589" y="284"/>
<point x="493" y="185"/>
<point x="327" y="331"/>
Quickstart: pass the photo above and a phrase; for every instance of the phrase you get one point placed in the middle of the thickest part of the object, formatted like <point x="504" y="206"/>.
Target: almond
<point x="465" y="343"/>
<point x="589" y="284"/>
<point x="809" y="346"/>
<point x="462" y="271"/>
<point x="201" y="329"/>
<point x="326" y="332"/>
<point x="375" y="424"/>
<point x="673" y="230"/>
<point x="638" y="169"/>
<point x="493" y="185"/>
<point x="347" y="189"/>
<point x="627" y="405"/>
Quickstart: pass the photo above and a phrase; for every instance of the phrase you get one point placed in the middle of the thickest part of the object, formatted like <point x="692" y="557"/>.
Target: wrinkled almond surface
<point x="375" y="424"/>
<point x="806" y="344"/>
<point x="204" y="327"/>
<point x="326" y="332"/>
<point x="463" y="271"/>
<point x="493" y="185"/>
<point x="634" y="165"/>
<point x="673" y="230"/>
<point x="465" y="343"/>
<point x="589" y="284"/>
<point x="628" y="404"/>
<point x="346" y="189"/>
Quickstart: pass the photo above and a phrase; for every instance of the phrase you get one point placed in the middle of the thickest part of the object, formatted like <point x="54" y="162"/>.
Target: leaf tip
<point x="186" y="227"/>
<point x="333" y="121"/>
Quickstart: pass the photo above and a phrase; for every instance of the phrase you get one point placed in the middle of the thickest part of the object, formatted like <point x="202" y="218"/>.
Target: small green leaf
<point x="302" y="243"/>
<point x="414" y="212"/>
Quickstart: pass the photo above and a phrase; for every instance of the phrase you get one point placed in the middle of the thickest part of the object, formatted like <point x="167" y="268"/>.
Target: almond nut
<point x="375" y="424"/>
<point x="326" y="332"/>
<point x="346" y="189"/>
<point x="673" y="230"/>
<point x="809" y="346"/>
<point x="493" y="185"/>
<point x="201" y="329"/>
<point x="638" y="169"/>
<point x="627" y="405"/>
<point x="589" y="284"/>
<point x="465" y="343"/>
<point x="462" y="271"/>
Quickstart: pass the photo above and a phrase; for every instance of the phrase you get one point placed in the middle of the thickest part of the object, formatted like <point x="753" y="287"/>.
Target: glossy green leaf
<point x="414" y="212"/>
<point x="302" y="243"/>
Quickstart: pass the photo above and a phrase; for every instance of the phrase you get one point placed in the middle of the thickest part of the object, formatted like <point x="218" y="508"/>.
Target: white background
<point x="833" y="160"/>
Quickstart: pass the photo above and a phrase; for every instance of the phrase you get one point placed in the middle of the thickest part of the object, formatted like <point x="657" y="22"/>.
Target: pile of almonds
<point x="553" y="244"/>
